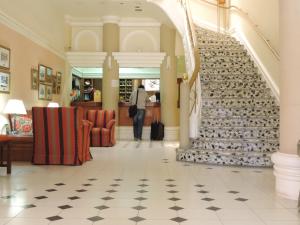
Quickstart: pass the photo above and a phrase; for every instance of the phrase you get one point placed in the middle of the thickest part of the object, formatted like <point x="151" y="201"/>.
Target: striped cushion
<point x="58" y="136"/>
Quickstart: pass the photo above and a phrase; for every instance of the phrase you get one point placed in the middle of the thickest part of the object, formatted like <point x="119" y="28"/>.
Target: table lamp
<point x="14" y="107"/>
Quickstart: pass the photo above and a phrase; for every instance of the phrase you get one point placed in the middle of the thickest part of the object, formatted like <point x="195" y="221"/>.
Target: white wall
<point x="266" y="15"/>
<point x="87" y="38"/>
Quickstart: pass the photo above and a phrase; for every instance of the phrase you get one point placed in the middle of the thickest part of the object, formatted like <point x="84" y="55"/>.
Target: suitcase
<point x="157" y="131"/>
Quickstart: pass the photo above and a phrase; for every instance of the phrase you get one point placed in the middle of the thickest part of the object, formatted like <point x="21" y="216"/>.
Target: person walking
<point x="139" y="97"/>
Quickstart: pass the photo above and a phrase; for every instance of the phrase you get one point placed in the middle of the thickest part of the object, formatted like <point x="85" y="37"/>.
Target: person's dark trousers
<point x="138" y="122"/>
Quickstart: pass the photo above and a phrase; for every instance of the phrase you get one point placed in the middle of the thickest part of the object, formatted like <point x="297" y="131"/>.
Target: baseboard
<point x="126" y="133"/>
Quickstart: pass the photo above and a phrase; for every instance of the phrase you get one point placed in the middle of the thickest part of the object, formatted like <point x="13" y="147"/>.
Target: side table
<point x="5" y="162"/>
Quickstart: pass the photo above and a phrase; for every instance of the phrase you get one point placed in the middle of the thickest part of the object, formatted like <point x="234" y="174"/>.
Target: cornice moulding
<point x="28" y="33"/>
<point x="86" y="59"/>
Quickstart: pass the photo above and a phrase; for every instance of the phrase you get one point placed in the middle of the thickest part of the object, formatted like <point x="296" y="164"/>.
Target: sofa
<point x="61" y="136"/>
<point x="103" y="127"/>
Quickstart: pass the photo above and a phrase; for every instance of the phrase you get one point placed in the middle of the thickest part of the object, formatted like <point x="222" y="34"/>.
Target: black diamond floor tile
<point x="235" y="171"/>
<point x="241" y="199"/>
<point x="199" y="185"/>
<point x="111" y="191"/>
<point x="87" y="185"/>
<point x="95" y="218"/>
<point x="51" y="190"/>
<point x="213" y="208"/>
<point x="102" y="207"/>
<point x="203" y="192"/>
<point x="176" y="208"/>
<point x="208" y="199"/>
<point x="170" y="180"/>
<point x="29" y="206"/>
<point x="233" y="192"/>
<point x="139" y="207"/>
<point x="115" y="185"/>
<point x="172" y="191"/>
<point x="118" y="179"/>
<point x="209" y="168"/>
<point x="107" y="198"/>
<point x="21" y="189"/>
<point x="54" y="218"/>
<point x="92" y="179"/>
<point x="59" y="184"/>
<point x="143" y="185"/>
<point x="73" y="198"/>
<point x="140" y="198"/>
<point x="174" y="199"/>
<point x="178" y="219"/>
<point x="8" y="197"/>
<point x="137" y="219"/>
<point x="142" y="191"/>
<point x="65" y="207"/>
<point x="41" y="197"/>
<point x="81" y="190"/>
<point x="143" y="179"/>
<point x="171" y="185"/>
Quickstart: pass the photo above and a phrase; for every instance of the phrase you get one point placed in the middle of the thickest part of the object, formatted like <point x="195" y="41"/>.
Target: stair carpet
<point x="239" y="116"/>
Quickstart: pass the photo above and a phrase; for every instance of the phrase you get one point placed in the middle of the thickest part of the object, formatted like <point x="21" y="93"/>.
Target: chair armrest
<point x="110" y="124"/>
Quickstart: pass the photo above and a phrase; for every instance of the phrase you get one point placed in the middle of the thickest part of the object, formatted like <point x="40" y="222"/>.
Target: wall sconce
<point x="168" y="62"/>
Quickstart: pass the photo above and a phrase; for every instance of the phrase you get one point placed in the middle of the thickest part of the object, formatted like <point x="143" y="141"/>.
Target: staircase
<point x="239" y="116"/>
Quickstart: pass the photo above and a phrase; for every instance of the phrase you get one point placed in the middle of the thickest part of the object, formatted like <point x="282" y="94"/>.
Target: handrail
<point x="255" y="26"/>
<point x="193" y="40"/>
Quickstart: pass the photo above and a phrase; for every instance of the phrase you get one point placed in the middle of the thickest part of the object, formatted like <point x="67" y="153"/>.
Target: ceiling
<point x="122" y="8"/>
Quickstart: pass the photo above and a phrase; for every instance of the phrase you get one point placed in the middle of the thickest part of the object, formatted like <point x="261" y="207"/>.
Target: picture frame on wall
<point x="49" y="92"/>
<point x="34" y="79"/>
<point x="4" y="82"/>
<point x="4" y="58"/>
<point x="42" y="72"/>
<point x="54" y="84"/>
<point x="58" y="77"/>
<point x="49" y="73"/>
<point x="42" y="91"/>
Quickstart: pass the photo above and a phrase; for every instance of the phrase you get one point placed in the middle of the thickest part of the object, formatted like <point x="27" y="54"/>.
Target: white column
<point x="184" y="115"/>
<point x="287" y="162"/>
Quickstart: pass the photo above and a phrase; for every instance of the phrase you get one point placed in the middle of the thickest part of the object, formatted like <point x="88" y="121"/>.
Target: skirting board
<point x="126" y="133"/>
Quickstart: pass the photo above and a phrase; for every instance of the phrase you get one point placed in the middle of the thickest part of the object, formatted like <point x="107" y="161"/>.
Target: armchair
<point x="103" y="131"/>
<point x="60" y="136"/>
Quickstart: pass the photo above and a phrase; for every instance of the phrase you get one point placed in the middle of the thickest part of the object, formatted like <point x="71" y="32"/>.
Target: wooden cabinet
<point x="126" y="87"/>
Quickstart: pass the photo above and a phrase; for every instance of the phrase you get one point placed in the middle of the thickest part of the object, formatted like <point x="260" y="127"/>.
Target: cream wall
<point x="139" y="39"/>
<point x="40" y="17"/>
<point x="266" y="15"/>
<point x="87" y="38"/>
<point x="25" y="54"/>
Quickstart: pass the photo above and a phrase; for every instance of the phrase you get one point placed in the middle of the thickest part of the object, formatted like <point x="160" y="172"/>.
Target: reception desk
<point x="152" y="113"/>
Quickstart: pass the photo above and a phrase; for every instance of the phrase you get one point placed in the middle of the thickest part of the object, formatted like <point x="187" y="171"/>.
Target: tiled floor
<point x="141" y="183"/>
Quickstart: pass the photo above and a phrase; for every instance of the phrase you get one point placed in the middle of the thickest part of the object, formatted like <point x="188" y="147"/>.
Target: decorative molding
<point x="86" y="59"/>
<point x="287" y="173"/>
<point x="111" y="19"/>
<point x="78" y="35"/>
<point x="28" y="33"/>
<point x="139" y="24"/>
<point x="147" y="34"/>
<point x="139" y="59"/>
<point x="83" y="22"/>
<point x="126" y="133"/>
<point x="266" y="75"/>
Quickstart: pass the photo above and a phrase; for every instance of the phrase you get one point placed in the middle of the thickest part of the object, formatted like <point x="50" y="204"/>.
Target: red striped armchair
<point x="103" y="131"/>
<point x="61" y="136"/>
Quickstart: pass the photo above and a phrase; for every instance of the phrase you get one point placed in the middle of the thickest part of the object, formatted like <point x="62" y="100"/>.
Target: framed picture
<point x="49" y="73"/>
<point x="4" y="82"/>
<point x="54" y="84"/>
<point x="58" y="89"/>
<point x="34" y="79"/>
<point x="58" y="75"/>
<point x="48" y="92"/>
<point x="42" y="91"/>
<point x="4" y="57"/>
<point x="42" y="72"/>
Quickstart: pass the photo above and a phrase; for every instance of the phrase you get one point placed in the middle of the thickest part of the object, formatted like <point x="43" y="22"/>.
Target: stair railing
<point x="194" y="42"/>
<point x="249" y="20"/>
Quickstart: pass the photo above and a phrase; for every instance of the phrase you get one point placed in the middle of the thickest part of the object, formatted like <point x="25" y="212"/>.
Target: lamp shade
<point x="53" y="105"/>
<point x="14" y="106"/>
